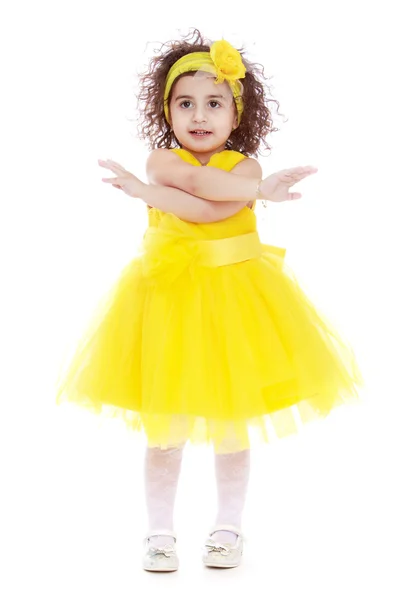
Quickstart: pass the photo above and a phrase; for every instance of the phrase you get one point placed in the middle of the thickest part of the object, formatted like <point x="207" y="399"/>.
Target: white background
<point x="326" y="510"/>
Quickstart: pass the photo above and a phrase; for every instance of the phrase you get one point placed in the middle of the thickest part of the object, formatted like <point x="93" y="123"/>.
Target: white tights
<point x="161" y="475"/>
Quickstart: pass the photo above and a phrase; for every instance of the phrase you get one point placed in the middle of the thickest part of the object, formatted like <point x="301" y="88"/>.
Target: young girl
<point x="206" y="336"/>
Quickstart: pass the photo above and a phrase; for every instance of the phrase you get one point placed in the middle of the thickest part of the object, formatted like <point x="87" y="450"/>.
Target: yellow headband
<point x="223" y="61"/>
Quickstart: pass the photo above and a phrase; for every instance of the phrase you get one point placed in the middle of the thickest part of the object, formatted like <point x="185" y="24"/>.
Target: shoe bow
<point x="216" y="547"/>
<point x="166" y="551"/>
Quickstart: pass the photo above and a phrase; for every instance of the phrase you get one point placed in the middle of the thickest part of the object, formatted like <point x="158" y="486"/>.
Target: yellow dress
<point x="206" y="336"/>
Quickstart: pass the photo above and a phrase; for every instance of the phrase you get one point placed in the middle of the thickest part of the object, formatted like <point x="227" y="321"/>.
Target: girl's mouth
<point x="200" y="133"/>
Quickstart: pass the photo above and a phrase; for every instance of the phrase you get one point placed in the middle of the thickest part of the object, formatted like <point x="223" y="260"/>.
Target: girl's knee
<point x="167" y="449"/>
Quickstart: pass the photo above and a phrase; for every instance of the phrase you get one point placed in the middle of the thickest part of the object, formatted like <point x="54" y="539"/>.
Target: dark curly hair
<point x="256" y="121"/>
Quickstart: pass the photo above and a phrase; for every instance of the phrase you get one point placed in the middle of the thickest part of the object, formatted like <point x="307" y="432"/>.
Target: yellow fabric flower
<point x="166" y="255"/>
<point x="227" y="61"/>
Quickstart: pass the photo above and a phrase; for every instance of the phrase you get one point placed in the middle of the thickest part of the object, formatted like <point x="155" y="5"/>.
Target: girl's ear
<point x="235" y="122"/>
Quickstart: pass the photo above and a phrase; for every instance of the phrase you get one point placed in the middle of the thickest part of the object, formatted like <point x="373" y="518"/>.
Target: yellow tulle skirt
<point x="209" y="341"/>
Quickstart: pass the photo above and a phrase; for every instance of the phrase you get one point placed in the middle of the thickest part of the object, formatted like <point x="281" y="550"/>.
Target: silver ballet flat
<point x="224" y="555"/>
<point x="162" y="558"/>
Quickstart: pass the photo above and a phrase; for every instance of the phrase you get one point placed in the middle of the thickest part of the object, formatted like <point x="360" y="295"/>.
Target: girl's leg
<point x="161" y="475"/>
<point x="232" y="476"/>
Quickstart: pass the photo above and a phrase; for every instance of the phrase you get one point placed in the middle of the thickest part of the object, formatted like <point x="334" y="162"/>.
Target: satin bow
<point x="216" y="547"/>
<point x="167" y="551"/>
<point x="167" y="254"/>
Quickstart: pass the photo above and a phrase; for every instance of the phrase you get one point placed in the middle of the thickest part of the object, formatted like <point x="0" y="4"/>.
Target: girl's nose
<point x="199" y="116"/>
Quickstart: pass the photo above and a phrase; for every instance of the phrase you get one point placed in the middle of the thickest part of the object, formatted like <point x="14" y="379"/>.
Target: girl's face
<point x="202" y="114"/>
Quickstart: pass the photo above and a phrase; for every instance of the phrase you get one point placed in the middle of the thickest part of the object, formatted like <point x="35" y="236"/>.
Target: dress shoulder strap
<point x="187" y="156"/>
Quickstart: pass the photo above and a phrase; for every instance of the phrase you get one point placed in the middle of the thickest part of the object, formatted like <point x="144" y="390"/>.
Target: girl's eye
<point x="188" y="104"/>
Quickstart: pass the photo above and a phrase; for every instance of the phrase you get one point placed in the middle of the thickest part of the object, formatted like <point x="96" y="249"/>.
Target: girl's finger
<point x="117" y="169"/>
<point x="301" y="171"/>
<point x="112" y="163"/>
<point x="306" y="171"/>
<point x="296" y="176"/>
<point x="103" y="163"/>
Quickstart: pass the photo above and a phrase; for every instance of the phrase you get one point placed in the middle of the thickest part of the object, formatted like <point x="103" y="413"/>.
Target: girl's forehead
<point x="200" y="83"/>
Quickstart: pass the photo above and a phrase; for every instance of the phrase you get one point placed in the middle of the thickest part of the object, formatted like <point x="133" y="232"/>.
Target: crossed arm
<point x="199" y="194"/>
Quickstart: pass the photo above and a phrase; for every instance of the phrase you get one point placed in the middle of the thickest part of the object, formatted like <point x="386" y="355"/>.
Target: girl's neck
<point x="203" y="157"/>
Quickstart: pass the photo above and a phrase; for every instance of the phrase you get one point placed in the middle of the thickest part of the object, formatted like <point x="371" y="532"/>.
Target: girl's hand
<point x="124" y="181"/>
<point x="275" y="188"/>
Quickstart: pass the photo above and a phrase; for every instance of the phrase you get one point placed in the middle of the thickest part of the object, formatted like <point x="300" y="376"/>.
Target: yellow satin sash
<point x="163" y="248"/>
